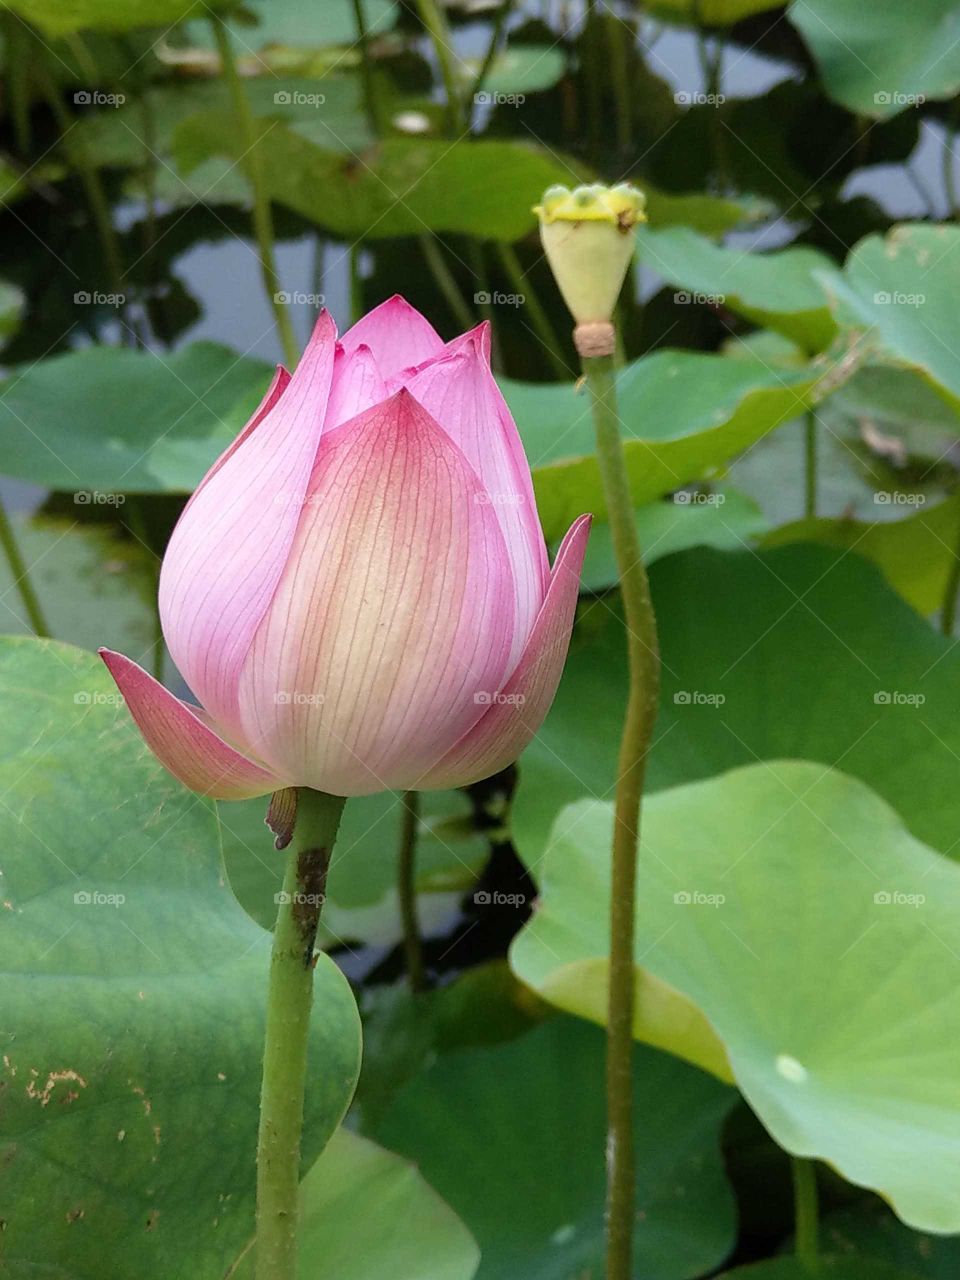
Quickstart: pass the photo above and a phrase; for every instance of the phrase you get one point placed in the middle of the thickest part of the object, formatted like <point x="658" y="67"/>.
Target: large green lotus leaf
<point x="820" y="939"/>
<point x="367" y="1214"/>
<point x="903" y="287"/>
<point x="683" y="415"/>
<point x="94" y="587"/>
<point x="831" y="1266"/>
<point x="870" y="1231"/>
<point x="403" y="187"/>
<point x="801" y="651"/>
<point x="519" y="68"/>
<point x="298" y="23"/>
<point x="713" y="13"/>
<point x="726" y="520"/>
<point x="882" y="61"/>
<point x="775" y="289"/>
<point x="914" y="554"/>
<point x="59" y="17"/>
<point x="362" y="900"/>
<point x="118" y="136"/>
<point x="112" y="420"/>
<point x="531" y="1115"/>
<point x="711" y="215"/>
<point x="134" y="993"/>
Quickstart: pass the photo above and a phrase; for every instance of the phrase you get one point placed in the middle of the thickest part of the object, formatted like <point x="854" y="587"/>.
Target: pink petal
<point x="397" y="604"/>
<point x="278" y="385"/>
<point x="459" y="390"/>
<point x="184" y="745"/>
<point x="397" y="334"/>
<point x="518" y="709"/>
<point x="229" y="547"/>
<point x="357" y="385"/>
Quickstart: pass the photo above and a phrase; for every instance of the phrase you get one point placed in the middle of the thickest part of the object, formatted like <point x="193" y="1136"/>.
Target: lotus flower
<point x="358" y="593"/>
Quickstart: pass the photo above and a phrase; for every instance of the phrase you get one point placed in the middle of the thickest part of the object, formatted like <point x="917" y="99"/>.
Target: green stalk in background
<point x="435" y="24"/>
<point x="806" y="1212"/>
<point x="262" y="215"/>
<point x="371" y="100"/>
<point x="492" y="48"/>
<point x="289" y="999"/>
<point x="407" y="891"/>
<point x="21" y="578"/>
<point x="810" y="465"/>
<point x="445" y="280"/>
<point x="538" y="317"/>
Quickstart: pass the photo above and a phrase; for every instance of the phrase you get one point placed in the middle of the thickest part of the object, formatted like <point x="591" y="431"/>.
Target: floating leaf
<point x="683" y="413"/>
<point x="893" y="59"/>
<point x="776" y="289"/>
<point x="111" y="420"/>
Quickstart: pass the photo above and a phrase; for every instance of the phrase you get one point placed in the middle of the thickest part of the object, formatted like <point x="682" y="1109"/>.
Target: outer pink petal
<point x="397" y="605"/>
<point x="459" y="390"/>
<point x="183" y="744"/>
<point x="397" y="334"/>
<point x="228" y="550"/>
<point x="521" y="705"/>
<point x="357" y="385"/>
<point x="279" y="384"/>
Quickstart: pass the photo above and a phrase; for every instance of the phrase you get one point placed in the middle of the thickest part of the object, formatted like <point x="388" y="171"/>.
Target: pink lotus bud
<point x="358" y="593"/>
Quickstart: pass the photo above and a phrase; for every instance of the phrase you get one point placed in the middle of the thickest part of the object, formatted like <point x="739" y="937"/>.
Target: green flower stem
<point x="805" y="1211"/>
<point x="407" y="889"/>
<point x="948" y="613"/>
<point x="445" y="280"/>
<point x="89" y="176"/>
<point x="498" y="26"/>
<point x="642" y="700"/>
<point x="21" y="578"/>
<point x="288" y="1022"/>
<point x="371" y="99"/>
<point x="262" y="216"/>
<point x="810" y="466"/>
<point x="435" y="24"/>
<point x="538" y="317"/>
<point x="620" y="40"/>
